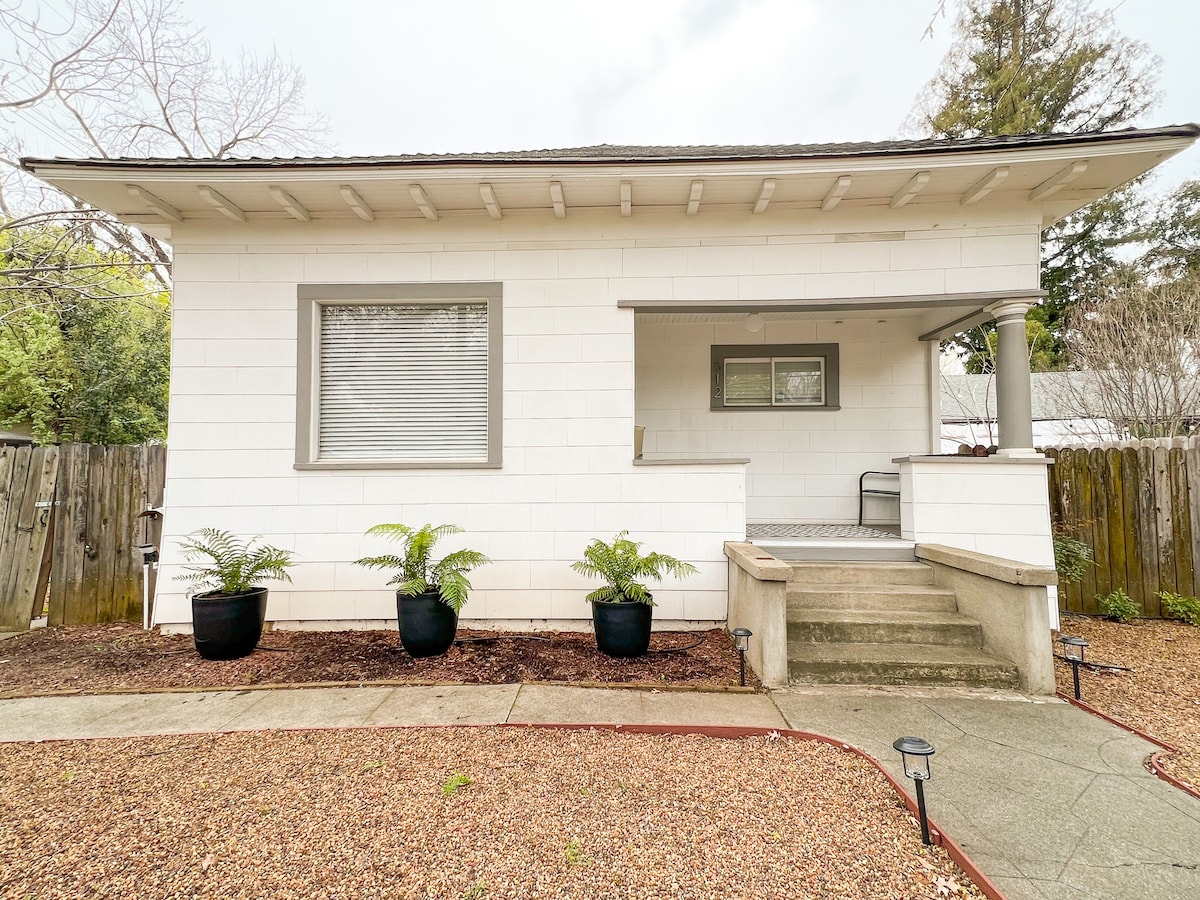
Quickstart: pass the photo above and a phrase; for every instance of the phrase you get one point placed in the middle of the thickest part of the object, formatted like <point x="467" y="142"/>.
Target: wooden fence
<point x="1137" y="506"/>
<point x="70" y="525"/>
<point x="27" y="479"/>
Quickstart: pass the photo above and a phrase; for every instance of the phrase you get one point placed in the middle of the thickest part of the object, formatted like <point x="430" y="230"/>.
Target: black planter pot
<point x="228" y="626"/>
<point x="622" y="629"/>
<point x="427" y="625"/>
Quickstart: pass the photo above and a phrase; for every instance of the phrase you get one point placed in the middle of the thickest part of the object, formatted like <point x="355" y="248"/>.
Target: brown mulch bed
<point x="121" y="656"/>
<point x="1160" y="696"/>
<point x="457" y="814"/>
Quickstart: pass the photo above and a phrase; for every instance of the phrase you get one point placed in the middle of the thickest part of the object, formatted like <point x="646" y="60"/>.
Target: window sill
<point x="690" y="461"/>
<point x="394" y="464"/>
<point x="788" y="409"/>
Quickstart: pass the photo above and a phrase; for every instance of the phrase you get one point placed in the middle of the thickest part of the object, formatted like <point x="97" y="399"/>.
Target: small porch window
<point x="774" y="376"/>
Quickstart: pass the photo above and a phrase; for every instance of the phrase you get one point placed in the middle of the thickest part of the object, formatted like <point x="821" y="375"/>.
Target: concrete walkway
<point x="1049" y="801"/>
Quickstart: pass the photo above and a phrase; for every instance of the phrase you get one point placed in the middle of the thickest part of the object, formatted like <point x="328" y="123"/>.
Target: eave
<point x="1051" y="176"/>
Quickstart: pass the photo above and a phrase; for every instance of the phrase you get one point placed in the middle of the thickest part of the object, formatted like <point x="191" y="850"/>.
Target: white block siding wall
<point x="990" y="505"/>
<point x="804" y="464"/>
<point x="569" y="369"/>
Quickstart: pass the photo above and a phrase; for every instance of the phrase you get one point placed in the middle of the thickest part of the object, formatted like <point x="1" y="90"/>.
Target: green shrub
<point x="1119" y="606"/>
<point x="1178" y="606"/>
<point x="1071" y="558"/>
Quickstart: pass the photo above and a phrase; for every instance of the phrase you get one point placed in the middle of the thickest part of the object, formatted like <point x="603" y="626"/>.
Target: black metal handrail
<point x="876" y="492"/>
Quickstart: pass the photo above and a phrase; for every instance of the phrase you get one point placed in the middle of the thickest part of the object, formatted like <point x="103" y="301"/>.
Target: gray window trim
<point x="310" y="299"/>
<point x="722" y="352"/>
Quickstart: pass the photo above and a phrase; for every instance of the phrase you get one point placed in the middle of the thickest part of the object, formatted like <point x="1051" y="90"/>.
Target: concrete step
<point x="839" y="549"/>
<point x="841" y="626"/>
<point x="852" y="573"/>
<point x="838" y="663"/>
<point x="897" y="597"/>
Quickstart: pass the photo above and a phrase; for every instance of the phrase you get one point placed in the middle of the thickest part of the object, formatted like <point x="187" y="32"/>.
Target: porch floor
<point x="830" y="542"/>
<point x="821" y="532"/>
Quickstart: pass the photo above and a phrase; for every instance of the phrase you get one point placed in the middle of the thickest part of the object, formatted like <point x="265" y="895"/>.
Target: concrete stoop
<point x="853" y="622"/>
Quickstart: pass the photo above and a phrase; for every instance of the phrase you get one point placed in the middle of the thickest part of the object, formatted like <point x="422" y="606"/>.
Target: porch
<point x="790" y="541"/>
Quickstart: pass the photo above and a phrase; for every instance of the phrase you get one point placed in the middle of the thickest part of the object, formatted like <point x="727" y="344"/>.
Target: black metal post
<point x="1075" y="675"/>
<point x="742" y="668"/>
<point x="921" y="812"/>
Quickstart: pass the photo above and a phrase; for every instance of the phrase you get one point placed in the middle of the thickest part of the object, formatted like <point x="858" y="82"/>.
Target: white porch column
<point x="1014" y="407"/>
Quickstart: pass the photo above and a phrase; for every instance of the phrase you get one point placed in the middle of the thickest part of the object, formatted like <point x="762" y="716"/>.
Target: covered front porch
<point x="811" y="393"/>
<point x="940" y="571"/>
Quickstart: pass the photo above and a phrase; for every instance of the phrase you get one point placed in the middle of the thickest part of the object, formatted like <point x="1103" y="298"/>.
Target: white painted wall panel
<point x="578" y="372"/>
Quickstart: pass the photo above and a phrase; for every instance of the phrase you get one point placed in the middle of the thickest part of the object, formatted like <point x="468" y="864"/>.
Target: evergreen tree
<point x="1022" y="66"/>
<point x="1174" y="233"/>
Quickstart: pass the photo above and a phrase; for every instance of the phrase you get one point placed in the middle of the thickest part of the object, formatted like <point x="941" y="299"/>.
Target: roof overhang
<point x="1051" y="175"/>
<point x="944" y="315"/>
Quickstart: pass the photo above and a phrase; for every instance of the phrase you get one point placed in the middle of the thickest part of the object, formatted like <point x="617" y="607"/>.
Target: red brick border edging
<point x="1154" y="764"/>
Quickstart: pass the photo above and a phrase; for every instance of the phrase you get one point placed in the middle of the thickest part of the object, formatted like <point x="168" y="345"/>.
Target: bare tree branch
<point x="1138" y="346"/>
<point x="114" y="78"/>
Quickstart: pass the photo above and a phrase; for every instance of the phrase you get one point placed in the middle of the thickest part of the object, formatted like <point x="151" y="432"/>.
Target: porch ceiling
<point x="939" y="315"/>
<point x="1055" y="177"/>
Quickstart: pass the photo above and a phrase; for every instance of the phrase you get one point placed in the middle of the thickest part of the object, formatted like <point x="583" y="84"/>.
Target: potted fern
<point x="227" y="618"/>
<point x="622" y="610"/>
<point x="429" y="595"/>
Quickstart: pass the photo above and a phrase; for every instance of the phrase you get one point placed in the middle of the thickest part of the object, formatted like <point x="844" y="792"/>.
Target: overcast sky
<point x="400" y="76"/>
<point x="403" y="76"/>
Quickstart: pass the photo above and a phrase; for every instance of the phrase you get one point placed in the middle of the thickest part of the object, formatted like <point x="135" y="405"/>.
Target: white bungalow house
<point x="473" y="339"/>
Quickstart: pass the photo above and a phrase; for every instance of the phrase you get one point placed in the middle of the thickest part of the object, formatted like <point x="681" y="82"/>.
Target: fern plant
<point x="232" y="565"/>
<point x="415" y="571"/>
<point x="623" y="567"/>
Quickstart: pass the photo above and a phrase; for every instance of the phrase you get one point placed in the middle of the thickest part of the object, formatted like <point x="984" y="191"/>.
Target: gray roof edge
<point x="610" y="154"/>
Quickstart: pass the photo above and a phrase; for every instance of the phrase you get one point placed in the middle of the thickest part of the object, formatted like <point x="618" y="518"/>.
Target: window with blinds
<point x="403" y="381"/>
<point x="399" y="375"/>
<point x="774" y="376"/>
<point x="775" y="382"/>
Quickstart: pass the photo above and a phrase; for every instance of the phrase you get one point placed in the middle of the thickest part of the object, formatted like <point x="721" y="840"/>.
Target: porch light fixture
<point x="741" y="643"/>
<point x="754" y="323"/>
<point x="1073" y="649"/>
<point x="915" y="753"/>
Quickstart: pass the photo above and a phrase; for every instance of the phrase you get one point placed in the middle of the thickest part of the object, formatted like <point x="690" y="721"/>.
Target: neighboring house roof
<point x="618" y="153"/>
<point x="1055" y="396"/>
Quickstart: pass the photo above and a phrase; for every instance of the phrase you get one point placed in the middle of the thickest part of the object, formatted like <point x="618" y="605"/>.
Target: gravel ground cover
<point x="121" y="656"/>
<point x="457" y="813"/>
<point x="1160" y="696"/>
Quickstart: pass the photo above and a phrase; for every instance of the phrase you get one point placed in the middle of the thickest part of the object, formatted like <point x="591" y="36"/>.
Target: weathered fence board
<point x="1136" y="579"/>
<point x="1147" y="539"/>
<point x="1184" y="564"/>
<point x="27" y="478"/>
<point x="1096" y="472"/>
<point x="66" y="582"/>
<point x="1114" y="487"/>
<point x="1138" y="508"/>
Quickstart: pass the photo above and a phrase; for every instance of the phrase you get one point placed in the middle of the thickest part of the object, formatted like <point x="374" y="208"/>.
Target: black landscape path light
<point x="916" y="752"/>
<point x="741" y="643"/>
<point x="1073" y="648"/>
